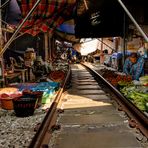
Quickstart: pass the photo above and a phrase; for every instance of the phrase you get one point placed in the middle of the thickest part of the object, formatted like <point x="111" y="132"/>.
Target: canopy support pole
<point x="19" y="28"/>
<point x="133" y="20"/>
<point x="105" y="44"/>
<point x="5" y="4"/>
<point x="1" y="46"/>
<point x="1" y="35"/>
<point x="124" y="38"/>
<point x="101" y="52"/>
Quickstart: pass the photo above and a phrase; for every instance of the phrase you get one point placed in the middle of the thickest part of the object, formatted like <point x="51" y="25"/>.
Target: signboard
<point x="103" y="18"/>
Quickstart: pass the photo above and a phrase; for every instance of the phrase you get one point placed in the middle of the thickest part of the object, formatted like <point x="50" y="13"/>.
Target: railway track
<point x="137" y="118"/>
<point x="86" y="97"/>
<point x="43" y="134"/>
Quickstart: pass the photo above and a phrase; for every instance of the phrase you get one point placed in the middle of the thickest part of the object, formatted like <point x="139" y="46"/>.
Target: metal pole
<point x="85" y="4"/>
<point x="5" y="4"/>
<point x="133" y="20"/>
<point x="19" y="27"/>
<point x="1" y="35"/>
<point x="101" y="52"/>
<point x="1" y="46"/>
<point x="124" y="38"/>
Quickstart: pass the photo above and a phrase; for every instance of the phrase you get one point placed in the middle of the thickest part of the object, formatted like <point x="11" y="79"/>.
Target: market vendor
<point x="138" y="68"/>
<point x="134" y="66"/>
<point x="39" y="68"/>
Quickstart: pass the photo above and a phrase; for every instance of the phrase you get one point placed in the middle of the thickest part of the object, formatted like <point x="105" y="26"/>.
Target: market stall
<point x="134" y="91"/>
<point x="24" y="107"/>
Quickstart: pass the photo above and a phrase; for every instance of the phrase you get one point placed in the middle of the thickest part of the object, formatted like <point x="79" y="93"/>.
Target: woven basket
<point x="6" y="104"/>
<point x="24" y="106"/>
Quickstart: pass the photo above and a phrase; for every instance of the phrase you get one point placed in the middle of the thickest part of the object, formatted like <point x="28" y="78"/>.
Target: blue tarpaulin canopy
<point x="66" y="31"/>
<point x="67" y="27"/>
<point x="118" y="55"/>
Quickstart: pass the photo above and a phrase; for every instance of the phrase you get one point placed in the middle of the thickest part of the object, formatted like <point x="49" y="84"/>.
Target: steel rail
<point x="136" y="115"/>
<point x="45" y="126"/>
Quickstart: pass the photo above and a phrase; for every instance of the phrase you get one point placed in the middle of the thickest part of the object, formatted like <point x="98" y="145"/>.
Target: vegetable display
<point x="136" y="92"/>
<point x="138" y="95"/>
<point x="144" y="80"/>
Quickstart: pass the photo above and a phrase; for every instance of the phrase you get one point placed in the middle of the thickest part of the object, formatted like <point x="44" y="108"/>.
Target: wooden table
<point x="2" y="82"/>
<point x="12" y="76"/>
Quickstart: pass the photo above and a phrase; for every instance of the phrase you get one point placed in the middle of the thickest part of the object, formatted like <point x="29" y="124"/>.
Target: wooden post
<point x="49" y="46"/>
<point x="1" y="36"/>
<point x="1" y="46"/>
<point x="46" y="46"/>
<point x="53" y="53"/>
<point x="101" y="52"/>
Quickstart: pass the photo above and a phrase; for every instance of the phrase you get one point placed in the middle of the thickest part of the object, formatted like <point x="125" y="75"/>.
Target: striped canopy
<point x="48" y="15"/>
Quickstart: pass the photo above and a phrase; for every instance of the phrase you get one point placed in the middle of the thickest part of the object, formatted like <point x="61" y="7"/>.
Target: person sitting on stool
<point x="39" y="69"/>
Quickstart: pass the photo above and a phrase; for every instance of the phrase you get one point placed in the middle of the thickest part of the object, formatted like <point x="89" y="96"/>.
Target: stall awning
<point x="48" y="15"/>
<point x="66" y="37"/>
<point x="66" y="32"/>
<point x="67" y="27"/>
<point x="103" y="18"/>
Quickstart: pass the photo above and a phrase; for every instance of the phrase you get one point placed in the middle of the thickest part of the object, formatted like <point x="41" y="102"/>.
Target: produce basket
<point x="57" y="76"/>
<point x="7" y="104"/>
<point x="7" y="95"/>
<point x="24" y="106"/>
